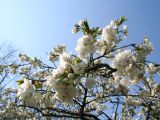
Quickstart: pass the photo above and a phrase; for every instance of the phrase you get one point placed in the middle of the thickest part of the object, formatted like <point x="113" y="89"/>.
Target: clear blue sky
<point x="36" y="26"/>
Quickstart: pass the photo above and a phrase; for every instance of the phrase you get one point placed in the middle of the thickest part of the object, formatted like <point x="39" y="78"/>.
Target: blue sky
<point x="36" y="26"/>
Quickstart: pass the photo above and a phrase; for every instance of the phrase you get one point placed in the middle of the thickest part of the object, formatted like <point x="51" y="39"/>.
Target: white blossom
<point x="59" y="49"/>
<point x="78" y="68"/>
<point x="125" y="61"/>
<point x="25" y="90"/>
<point x="144" y="49"/>
<point x="53" y="57"/>
<point x="85" y="46"/>
<point x="90" y="82"/>
<point x="152" y="68"/>
<point x="109" y="38"/>
<point x="99" y="107"/>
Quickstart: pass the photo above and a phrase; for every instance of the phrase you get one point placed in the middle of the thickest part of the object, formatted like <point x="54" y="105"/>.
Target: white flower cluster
<point x="95" y="105"/>
<point x="35" y="62"/>
<point x="122" y="60"/>
<point x="32" y="60"/>
<point x="75" y="74"/>
<point x="90" y="82"/>
<point x="65" y="91"/>
<point x="144" y="49"/>
<point x="25" y="90"/>
<point x="85" y="46"/>
<point x="78" y="68"/>
<point x="62" y="79"/>
<point x="152" y="68"/>
<point x="77" y="27"/>
<point x="125" y="61"/>
<point x="26" y="93"/>
<point x="53" y="56"/>
<point x="23" y="57"/>
<point x="88" y="44"/>
<point x="109" y="37"/>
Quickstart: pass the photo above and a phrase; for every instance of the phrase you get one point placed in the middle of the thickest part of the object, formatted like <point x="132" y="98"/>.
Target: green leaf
<point x="38" y="84"/>
<point x="158" y="87"/>
<point x="76" y="61"/>
<point x="86" y="27"/>
<point x="116" y="23"/>
<point x="19" y="82"/>
<point x="122" y="19"/>
<point x="138" y="49"/>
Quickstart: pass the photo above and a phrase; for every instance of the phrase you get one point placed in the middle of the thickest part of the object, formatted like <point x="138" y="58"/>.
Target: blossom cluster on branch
<point x="102" y="81"/>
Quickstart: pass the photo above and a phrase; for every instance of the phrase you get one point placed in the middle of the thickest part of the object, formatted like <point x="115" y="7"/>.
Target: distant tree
<point x="7" y="57"/>
<point x="104" y="80"/>
<point x="8" y="60"/>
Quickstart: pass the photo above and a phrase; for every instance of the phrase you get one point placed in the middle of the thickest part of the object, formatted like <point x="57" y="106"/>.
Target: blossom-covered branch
<point x="103" y="80"/>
